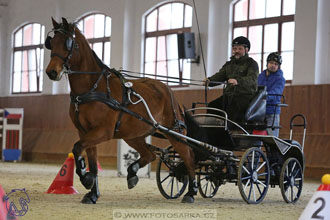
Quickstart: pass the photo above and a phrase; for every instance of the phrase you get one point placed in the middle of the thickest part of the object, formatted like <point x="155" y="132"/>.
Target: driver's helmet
<point x="241" y="41"/>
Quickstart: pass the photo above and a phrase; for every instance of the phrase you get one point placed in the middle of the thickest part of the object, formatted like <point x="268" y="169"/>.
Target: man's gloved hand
<point x="206" y="82"/>
<point x="232" y="81"/>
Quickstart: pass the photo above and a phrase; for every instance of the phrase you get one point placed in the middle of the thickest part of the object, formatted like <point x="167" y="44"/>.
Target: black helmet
<point x="275" y="57"/>
<point x="241" y="41"/>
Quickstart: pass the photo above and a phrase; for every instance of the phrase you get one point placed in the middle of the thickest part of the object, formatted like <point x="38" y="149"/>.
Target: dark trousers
<point x="234" y="105"/>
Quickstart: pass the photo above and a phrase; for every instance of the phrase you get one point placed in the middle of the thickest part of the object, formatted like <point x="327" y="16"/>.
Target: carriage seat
<point x="256" y="112"/>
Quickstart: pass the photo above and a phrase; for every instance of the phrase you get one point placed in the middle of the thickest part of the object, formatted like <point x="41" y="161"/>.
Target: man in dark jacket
<point x="241" y="74"/>
<point x="273" y="78"/>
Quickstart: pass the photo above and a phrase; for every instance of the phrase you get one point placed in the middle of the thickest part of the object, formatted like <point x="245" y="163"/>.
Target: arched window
<point x="162" y="26"/>
<point x="269" y="25"/>
<point x="28" y="59"/>
<point x="97" y="30"/>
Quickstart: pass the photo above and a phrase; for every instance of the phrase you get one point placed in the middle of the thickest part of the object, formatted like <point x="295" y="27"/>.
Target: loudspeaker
<point x="186" y="45"/>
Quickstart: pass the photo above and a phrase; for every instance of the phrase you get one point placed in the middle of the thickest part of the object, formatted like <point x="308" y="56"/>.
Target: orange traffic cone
<point x="4" y="214"/>
<point x="98" y="167"/>
<point x="63" y="182"/>
<point x="319" y="205"/>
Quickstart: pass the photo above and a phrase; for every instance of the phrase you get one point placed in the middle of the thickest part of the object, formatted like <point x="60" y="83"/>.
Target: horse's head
<point x="63" y="46"/>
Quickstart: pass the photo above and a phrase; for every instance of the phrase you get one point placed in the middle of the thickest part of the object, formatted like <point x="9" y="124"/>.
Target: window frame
<point x="95" y="40"/>
<point x="263" y="21"/>
<point x="164" y="33"/>
<point x="27" y="48"/>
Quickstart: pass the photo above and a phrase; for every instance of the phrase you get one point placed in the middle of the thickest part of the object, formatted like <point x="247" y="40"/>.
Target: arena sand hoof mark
<point x="88" y="180"/>
<point x="131" y="182"/>
<point x="188" y="199"/>
<point x="89" y="198"/>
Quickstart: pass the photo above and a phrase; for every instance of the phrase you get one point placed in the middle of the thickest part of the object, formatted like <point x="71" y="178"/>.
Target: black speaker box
<point x="186" y="45"/>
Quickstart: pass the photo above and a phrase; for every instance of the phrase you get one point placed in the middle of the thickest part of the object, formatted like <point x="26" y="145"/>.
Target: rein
<point x="213" y="83"/>
<point x="126" y="73"/>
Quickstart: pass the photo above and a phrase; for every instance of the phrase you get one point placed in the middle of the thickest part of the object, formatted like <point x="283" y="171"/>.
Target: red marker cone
<point x="319" y="205"/>
<point x="4" y="214"/>
<point x="63" y="182"/>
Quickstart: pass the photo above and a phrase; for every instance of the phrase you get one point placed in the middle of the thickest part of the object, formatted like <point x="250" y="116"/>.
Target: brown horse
<point x="101" y="100"/>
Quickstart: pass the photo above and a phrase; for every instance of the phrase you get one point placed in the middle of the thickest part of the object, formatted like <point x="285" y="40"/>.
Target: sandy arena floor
<point x="36" y="178"/>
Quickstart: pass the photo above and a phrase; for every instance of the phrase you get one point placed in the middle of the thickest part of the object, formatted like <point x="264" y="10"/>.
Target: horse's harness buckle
<point x="128" y="84"/>
<point x="76" y="104"/>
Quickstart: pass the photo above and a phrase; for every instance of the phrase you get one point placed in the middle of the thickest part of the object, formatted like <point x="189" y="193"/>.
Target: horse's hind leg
<point x="94" y="194"/>
<point x="146" y="156"/>
<point x="187" y="156"/>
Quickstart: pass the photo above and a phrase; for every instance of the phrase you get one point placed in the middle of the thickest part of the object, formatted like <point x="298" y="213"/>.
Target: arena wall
<point x="49" y="134"/>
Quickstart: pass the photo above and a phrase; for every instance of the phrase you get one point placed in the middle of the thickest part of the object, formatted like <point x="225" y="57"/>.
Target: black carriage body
<point x="225" y="151"/>
<point x="276" y="149"/>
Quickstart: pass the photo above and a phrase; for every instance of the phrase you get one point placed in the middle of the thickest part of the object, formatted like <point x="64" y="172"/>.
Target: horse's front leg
<point x="89" y="179"/>
<point x="92" y="196"/>
<point x="86" y="178"/>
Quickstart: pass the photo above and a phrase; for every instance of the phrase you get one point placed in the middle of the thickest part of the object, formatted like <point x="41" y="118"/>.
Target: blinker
<point x="47" y="42"/>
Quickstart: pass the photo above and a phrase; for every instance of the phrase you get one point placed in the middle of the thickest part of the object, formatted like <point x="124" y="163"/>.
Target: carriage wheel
<point x="291" y="180"/>
<point x="206" y="186"/>
<point x="253" y="176"/>
<point x="170" y="184"/>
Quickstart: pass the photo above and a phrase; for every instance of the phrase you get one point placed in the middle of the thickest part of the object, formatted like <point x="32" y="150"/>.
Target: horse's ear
<point x="65" y="23"/>
<point x="55" y="24"/>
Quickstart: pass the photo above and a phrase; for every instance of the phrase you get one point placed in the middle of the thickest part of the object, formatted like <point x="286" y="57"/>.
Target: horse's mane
<point x="72" y="28"/>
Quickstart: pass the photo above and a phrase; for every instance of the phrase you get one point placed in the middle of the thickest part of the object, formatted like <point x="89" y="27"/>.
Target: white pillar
<point x="5" y="75"/>
<point x="218" y="37"/>
<point x="305" y="42"/>
<point x="322" y="66"/>
<point x="131" y="37"/>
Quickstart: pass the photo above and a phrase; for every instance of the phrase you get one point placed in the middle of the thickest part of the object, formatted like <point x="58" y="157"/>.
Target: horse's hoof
<point x="188" y="199"/>
<point x="89" y="198"/>
<point x="88" y="180"/>
<point x="131" y="182"/>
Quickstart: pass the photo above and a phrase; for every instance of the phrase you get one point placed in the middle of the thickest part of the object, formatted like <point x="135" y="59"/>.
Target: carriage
<point x="105" y="105"/>
<point x="240" y="153"/>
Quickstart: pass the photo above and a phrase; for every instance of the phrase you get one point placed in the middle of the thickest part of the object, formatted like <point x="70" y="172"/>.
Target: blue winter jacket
<point x="275" y="85"/>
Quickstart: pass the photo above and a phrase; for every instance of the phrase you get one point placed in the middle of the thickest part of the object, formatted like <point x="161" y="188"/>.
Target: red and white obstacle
<point x="12" y="133"/>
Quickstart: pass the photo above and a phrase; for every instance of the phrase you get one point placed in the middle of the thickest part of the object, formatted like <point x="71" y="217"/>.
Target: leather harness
<point x="103" y="97"/>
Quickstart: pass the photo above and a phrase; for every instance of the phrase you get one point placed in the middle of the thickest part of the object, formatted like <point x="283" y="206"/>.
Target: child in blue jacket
<point x="273" y="78"/>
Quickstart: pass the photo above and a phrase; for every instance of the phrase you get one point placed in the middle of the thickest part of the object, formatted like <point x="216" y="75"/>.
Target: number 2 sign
<point x="319" y="205"/>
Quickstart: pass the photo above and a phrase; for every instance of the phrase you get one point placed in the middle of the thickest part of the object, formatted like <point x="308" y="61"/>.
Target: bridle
<point x="70" y="44"/>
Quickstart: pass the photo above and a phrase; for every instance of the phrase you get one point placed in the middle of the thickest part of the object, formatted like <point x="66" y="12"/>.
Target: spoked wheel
<point x="206" y="185"/>
<point x="253" y="176"/>
<point x="170" y="181"/>
<point x="291" y="180"/>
